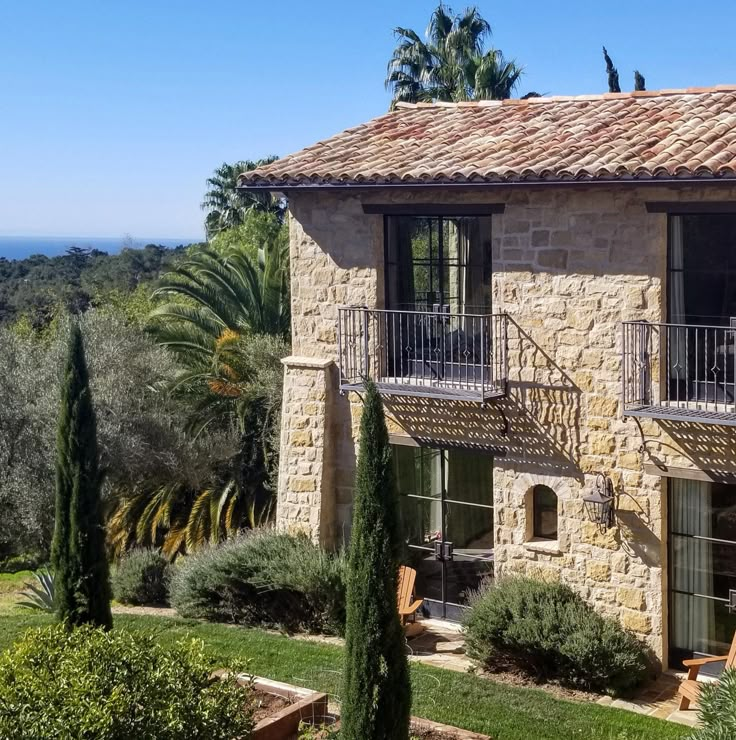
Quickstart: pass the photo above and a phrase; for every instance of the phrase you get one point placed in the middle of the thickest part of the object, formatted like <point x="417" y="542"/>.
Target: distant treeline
<point x="36" y="287"/>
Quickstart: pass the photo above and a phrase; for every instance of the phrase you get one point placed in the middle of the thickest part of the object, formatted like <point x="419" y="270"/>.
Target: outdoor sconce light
<point x="599" y="505"/>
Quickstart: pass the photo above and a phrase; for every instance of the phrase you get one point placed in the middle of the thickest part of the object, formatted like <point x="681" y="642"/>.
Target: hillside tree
<point x="78" y="557"/>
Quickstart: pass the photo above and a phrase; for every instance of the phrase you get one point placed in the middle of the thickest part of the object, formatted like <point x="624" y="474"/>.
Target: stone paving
<point x="441" y="644"/>
<point x="658" y="699"/>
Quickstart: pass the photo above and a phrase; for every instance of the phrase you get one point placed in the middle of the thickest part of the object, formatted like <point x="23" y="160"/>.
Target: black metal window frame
<point x="672" y="533"/>
<point x="443" y="450"/>
<point x="449" y="609"/>
<point x="671" y="591"/>
<point x="684" y="212"/>
<point x="439" y="214"/>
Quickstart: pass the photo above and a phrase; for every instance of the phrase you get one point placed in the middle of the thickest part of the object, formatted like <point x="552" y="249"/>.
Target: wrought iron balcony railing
<point x="680" y="372"/>
<point x="436" y="354"/>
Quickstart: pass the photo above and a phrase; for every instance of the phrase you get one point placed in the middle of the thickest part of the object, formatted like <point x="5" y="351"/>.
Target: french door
<point x="702" y="549"/>
<point x="446" y="509"/>
<point x="438" y="264"/>
<point x="438" y="288"/>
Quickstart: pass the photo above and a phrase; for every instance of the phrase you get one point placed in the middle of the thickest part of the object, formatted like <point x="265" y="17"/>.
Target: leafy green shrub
<point x="91" y="683"/>
<point x="547" y="630"/>
<point x="142" y="577"/>
<point x="264" y="578"/>
<point x="717" y="709"/>
<point x="16" y="563"/>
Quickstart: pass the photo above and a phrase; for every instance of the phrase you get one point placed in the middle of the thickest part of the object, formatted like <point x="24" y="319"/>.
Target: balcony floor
<point x="417" y="389"/>
<point x="688" y="412"/>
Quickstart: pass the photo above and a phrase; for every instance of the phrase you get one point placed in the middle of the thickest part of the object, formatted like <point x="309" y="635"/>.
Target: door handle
<point x="443" y="550"/>
<point x="731" y="605"/>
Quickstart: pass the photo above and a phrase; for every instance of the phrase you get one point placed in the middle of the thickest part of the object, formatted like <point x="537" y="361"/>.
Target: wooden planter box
<point x="311" y="707"/>
<point x="418" y="724"/>
<point x="305" y="705"/>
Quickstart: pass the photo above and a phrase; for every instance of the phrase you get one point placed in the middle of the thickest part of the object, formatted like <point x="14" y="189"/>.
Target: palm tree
<point x="227" y="206"/>
<point x="493" y="77"/>
<point x="176" y="516"/>
<point x="227" y="324"/>
<point x="222" y="293"/>
<point x="451" y="64"/>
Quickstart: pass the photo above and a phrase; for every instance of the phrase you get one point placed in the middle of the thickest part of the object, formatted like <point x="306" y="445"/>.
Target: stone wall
<point x="569" y="264"/>
<point x="335" y="251"/>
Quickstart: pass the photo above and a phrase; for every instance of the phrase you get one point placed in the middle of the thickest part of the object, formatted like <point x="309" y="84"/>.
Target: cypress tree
<point x="639" y="81"/>
<point x="612" y="72"/>
<point x="376" y="694"/>
<point x="78" y="557"/>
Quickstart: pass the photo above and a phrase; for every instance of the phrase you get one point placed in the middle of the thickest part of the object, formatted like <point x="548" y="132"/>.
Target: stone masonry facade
<point x="569" y="264"/>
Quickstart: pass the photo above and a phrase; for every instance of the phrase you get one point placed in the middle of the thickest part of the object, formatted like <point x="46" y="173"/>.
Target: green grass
<point x="10" y="583"/>
<point x="505" y="712"/>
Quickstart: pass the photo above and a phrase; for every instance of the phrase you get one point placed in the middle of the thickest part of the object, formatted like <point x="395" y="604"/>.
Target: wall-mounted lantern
<point x="599" y="505"/>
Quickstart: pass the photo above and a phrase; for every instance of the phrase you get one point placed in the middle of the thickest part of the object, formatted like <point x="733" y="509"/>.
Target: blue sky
<point x="112" y="115"/>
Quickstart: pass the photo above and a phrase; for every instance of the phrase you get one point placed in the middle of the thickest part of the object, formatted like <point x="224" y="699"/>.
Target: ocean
<point x="20" y="247"/>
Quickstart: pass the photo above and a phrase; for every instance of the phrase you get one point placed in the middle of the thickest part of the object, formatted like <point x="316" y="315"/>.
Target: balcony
<point x="680" y="372"/>
<point x="433" y="354"/>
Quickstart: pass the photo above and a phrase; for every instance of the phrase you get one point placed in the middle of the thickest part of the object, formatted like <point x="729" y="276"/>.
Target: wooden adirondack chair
<point x="408" y="605"/>
<point x="690" y="688"/>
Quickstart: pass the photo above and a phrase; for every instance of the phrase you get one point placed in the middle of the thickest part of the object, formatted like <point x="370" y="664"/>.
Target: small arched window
<point x="544" y="503"/>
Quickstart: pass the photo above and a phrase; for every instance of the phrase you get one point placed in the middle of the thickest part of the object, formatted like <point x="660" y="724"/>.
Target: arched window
<point x="544" y="503"/>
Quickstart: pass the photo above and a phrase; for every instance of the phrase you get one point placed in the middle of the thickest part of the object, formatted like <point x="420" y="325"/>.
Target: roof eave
<point x="286" y="187"/>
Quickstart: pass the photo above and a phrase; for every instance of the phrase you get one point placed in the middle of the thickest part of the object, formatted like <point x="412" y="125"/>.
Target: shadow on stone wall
<point x="343" y="461"/>
<point x="705" y="446"/>
<point x="536" y="426"/>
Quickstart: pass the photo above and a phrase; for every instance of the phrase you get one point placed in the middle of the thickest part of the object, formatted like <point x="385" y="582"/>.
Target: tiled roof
<point x="628" y="136"/>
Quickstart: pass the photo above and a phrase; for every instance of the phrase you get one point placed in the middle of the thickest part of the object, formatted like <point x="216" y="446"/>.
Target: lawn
<point x="505" y="712"/>
<point x="11" y="584"/>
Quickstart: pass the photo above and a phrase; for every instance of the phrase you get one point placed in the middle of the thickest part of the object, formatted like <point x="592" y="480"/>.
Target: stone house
<point x="545" y="292"/>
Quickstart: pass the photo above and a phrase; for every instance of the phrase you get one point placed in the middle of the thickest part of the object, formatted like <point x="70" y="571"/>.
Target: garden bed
<point x="460" y="699"/>
<point x="420" y="729"/>
<point x="282" y="707"/>
<point x="424" y="729"/>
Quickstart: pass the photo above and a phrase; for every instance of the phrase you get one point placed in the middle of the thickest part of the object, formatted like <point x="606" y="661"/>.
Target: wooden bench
<point x="690" y="688"/>
<point x="407" y="602"/>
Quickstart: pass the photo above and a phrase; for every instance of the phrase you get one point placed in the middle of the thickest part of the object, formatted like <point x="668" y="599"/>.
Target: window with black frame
<point x="699" y="338"/>
<point x="446" y="514"/>
<point x="438" y="261"/>
<point x="702" y="568"/>
<point x="702" y="269"/>
<point x="438" y="297"/>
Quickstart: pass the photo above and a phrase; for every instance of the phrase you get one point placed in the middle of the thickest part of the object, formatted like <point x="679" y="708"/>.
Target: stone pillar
<point x="306" y="495"/>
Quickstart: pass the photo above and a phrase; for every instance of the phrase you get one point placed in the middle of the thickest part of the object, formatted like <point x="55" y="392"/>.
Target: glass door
<point x="438" y="281"/>
<point x="446" y="508"/>
<point x="702" y="546"/>
<point x="701" y="343"/>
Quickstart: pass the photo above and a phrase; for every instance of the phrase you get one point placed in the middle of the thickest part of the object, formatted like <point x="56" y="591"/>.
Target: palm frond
<point x="444" y="66"/>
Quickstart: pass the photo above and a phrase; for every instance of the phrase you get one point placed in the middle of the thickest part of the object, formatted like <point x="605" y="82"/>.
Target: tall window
<point x="702" y="559"/>
<point x="544" y="504"/>
<point x="438" y="263"/>
<point x="702" y="269"/>
<point x="702" y="298"/>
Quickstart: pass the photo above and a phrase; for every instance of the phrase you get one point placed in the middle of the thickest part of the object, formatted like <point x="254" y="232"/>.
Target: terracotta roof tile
<point x="661" y="134"/>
